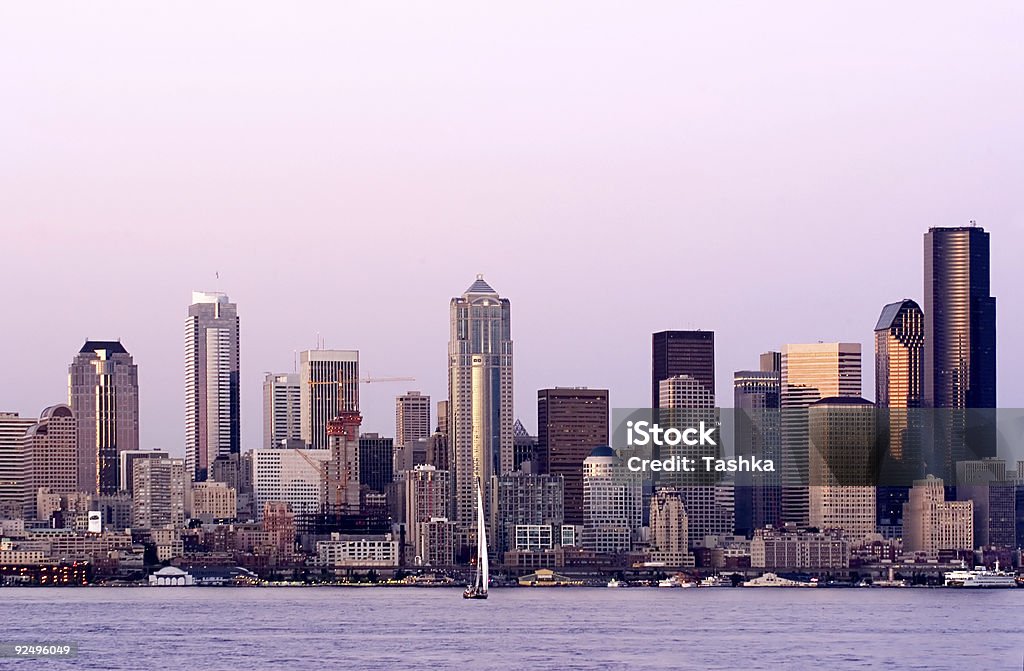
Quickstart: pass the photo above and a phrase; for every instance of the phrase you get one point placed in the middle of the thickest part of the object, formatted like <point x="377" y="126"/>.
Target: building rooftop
<point x="480" y="287"/>
<point x="111" y="346"/>
<point x="891" y="311"/>
<point x="843" y="400"/>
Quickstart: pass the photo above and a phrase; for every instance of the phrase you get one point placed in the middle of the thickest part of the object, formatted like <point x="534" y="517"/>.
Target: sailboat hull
<point x="474" y="594"/>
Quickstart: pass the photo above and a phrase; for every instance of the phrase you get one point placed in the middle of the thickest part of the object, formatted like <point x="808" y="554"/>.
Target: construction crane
<point x="365" y="379"/>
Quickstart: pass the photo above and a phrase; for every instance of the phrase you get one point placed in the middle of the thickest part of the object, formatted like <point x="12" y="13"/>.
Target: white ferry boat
<point x="675" y="581"/>
<point x="616" y="583"/>
<point x="715" y="581"/>
<point x="980" y="577"/>
<point x="773" y="580"/>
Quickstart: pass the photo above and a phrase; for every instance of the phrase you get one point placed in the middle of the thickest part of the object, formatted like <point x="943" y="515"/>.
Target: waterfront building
<point x="670" y="537"/>
<point x="792" y="549"/>
<point x="520" y="499"/>
<point x="931" y="524"/>
<point x="992" y="488"/>
<point x="351" y="551"/>
<point x="435" y="542"/>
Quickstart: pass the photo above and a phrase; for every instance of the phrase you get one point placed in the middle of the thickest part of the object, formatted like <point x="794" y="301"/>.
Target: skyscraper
<point x="612" y="502"/>
<point x="684" y="401"/>
<point x="376" y="461"/>
<point x="51" y="456"/>
<point x="158" y="493"/>
<point x="810" y="372"/>
<point x="212" y="425"/>
<point x="479" y="392"/>
<point x="103" y="392"/>
<point x="899" y="387"/>
<point x="12" y="464"/>
<point x="682" y="353"/>
<point x="524" y="499"/>
<point x="959" y="320"/>
<point x="841" y="464"/>
<point x="412" y="418"/>
<point x="571" y="422"/>
<point x="329" y="386"/>
<point x="282" y="426"/>
<point x="756" y="398"/>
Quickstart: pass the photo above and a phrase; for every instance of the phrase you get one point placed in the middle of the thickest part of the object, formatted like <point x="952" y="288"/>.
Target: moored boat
<point x="773" y="580"/>
<point x="980" y="577"/>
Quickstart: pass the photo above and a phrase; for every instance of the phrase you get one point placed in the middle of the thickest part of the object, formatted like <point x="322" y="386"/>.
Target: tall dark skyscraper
<point x="571" y="422"/>
<point x="959" y="320"/>
<point x="757" y="399"/>
<point x="103" y="392"/>
<point x="682" y="353"/>
<point x="376" y="461"/>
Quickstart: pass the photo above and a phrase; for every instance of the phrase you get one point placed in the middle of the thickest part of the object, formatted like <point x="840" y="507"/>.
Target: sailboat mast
<point x="482" y="563"/>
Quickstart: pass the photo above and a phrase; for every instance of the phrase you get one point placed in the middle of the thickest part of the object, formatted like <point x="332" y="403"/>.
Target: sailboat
<point x="478" y="590"/>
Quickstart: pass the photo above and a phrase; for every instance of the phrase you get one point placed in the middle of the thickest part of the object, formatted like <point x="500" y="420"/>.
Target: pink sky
<point x="765" y="170"/>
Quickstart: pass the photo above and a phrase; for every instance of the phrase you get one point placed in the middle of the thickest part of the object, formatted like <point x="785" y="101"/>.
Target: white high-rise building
<point x="480" y="394"/>
<point x="328" y="387"/>
<point x="282" y="424"/>
<point x="212" y="425"/>
<point x="810" y="372"/>
<point x="709" y="502"/>
<point x="160" y="489"/>
<point x="13" y="466"/>
<point x="295" y="477"/>
<point x="412" y="418"/>
<point x="612" y="502"/>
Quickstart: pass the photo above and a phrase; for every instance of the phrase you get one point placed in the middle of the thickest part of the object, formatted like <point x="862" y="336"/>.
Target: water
<point x="573" y="628"/>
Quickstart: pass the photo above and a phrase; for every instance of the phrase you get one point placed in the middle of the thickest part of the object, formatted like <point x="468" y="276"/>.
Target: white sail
<point x="482" y="572"/>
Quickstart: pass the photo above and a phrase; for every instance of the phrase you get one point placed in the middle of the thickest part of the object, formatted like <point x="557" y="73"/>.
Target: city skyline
<point x="384" y="425"/>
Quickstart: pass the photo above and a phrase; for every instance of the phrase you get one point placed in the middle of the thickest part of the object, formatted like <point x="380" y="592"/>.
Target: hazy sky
<point x="765" y="170"/>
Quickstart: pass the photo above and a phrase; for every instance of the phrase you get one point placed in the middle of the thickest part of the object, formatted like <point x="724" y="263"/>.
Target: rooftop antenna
<point x="973" y="223"/>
